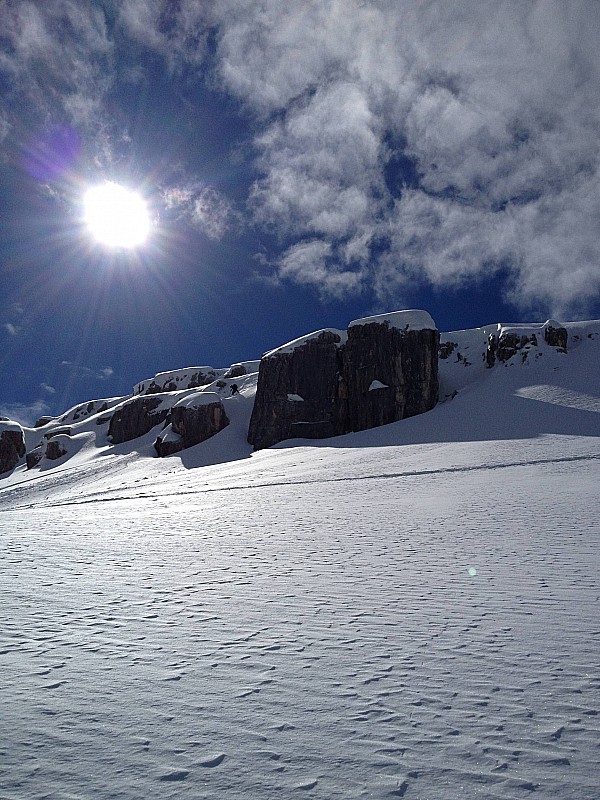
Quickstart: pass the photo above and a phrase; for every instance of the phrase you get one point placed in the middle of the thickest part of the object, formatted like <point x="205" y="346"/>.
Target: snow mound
<point x="409" y="320"/>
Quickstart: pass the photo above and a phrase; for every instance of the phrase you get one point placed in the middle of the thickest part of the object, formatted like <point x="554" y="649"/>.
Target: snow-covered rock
<point x="191" y="421"/>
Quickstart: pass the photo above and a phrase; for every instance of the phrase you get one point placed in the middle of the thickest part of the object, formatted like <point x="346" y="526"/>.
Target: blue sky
<point x="304" y="164"/>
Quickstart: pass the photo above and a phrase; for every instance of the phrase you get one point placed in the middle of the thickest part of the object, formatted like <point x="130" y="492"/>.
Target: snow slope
<point x="411" y="611"/>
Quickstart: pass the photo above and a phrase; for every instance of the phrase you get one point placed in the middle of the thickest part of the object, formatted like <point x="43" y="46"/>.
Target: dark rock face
<point x="324" y="388"/>
<point x="297" y="393"/>
<point x="136" y="418"/>
<point x="490" y="353"/>
<point x="556" y="336"/>
<point x="510" y="343"/>
<point x="405" y="362"/>
<point x="54" y="450"/>
<point x="235" y="371"/>
<point x="447" y="348"/>
<point x="191" y="425"/>
<point x="12" y="448"/>
<point x="43" y="421"/>
<point x="33" y="458"/>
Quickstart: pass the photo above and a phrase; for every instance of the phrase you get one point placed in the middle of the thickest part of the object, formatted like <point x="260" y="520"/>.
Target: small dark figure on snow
<point x="234" y="389"/>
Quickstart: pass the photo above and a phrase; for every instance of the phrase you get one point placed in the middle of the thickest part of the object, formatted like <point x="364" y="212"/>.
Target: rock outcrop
<point x="136" y="417"/>
<point x="297" y="391"/>
<point x="510" y="341"/>
<point x="190" y="422"/>
<point x="55" y="449"/>
<point x="328" y="383"/>
<point x="556" y="335"/>
<point x="12" y="445"/>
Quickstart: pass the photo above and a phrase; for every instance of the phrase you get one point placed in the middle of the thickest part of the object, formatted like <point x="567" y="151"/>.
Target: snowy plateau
<point x="409" y="611"/>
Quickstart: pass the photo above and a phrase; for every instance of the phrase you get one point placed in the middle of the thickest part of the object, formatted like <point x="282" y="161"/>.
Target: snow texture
<point x="413" y="320"/>
<point x="302" y="340"/>
<point x="295" y="398"/>
<point x="377" y="385"/>
<point x="409" y="611"/>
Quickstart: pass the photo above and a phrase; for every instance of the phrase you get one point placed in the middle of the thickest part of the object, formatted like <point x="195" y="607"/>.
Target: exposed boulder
<point x="136" y="417"/>
<point x="297" y="390"/>
<point x="178" y="379"/>
<point x="191" y="421"/>
<point x="555" y="335"/>
<point x="55" y="449"/>
<point x="383" y="370"/>
<point x="33" y="457"/>
<point x="43" y="421"/>
<point x="236" y="371"/>
<point x="446" y="349"/>
<point x="12" y="445"/>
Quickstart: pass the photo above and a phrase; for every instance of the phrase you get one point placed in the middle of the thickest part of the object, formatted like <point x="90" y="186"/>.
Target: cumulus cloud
<point x="492" y="109"/>
<point x="313" y="263"/>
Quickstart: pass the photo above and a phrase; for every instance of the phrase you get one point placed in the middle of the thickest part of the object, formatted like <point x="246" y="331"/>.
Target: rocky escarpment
<point x="12" y="445"/>
<point x="136" y="417"/>
<point x="332" y="382"/>
<point x="190" y="422"/>
<point x="191" y="378"/>
<point x="510" y="341"/>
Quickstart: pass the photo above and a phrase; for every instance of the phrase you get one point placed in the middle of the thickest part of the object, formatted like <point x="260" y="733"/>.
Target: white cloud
<point x="24" y="414"/>
<point x="87" y="372"/>
<point x="497" y="106"/>
<point x="492" y="108"/>
<point x="47" y="388"/>
<point x="203" y="206"/>
<point x="57" y="52"/>
<point x="13" y="330"/>
<point x="312" y="263"/>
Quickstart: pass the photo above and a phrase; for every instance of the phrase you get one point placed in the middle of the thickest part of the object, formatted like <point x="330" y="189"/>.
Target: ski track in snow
<point x="308" y="639"/>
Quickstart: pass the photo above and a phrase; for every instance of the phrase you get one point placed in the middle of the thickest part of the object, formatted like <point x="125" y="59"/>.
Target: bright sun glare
<point x="116" y="216"/>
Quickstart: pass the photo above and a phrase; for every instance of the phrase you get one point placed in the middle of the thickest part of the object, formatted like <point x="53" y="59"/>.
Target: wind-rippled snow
<point x="407" y="612"/>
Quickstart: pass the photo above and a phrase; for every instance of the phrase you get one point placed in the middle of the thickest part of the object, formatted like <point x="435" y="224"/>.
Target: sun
<point x="116" y="216"/>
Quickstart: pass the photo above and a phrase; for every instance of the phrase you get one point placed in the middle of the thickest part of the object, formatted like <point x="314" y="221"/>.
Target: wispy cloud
<point x="47" y="388"/>
<point x="202" y="206"/>
<point x="24" y="414"/>
<point x="12" y="330"/>
<point x="83" y="371"/>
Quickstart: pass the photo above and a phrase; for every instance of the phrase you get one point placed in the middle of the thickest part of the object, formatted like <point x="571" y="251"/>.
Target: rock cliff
<point x="332" y="382"/>
<point x="12" y="445"/>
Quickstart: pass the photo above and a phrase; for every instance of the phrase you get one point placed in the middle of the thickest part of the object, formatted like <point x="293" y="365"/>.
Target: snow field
<point x="322" y="638"/>
<point x="411" y="611"/>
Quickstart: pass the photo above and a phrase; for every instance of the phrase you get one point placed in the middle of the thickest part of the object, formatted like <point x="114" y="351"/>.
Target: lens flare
<point x="116" y="216"/>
